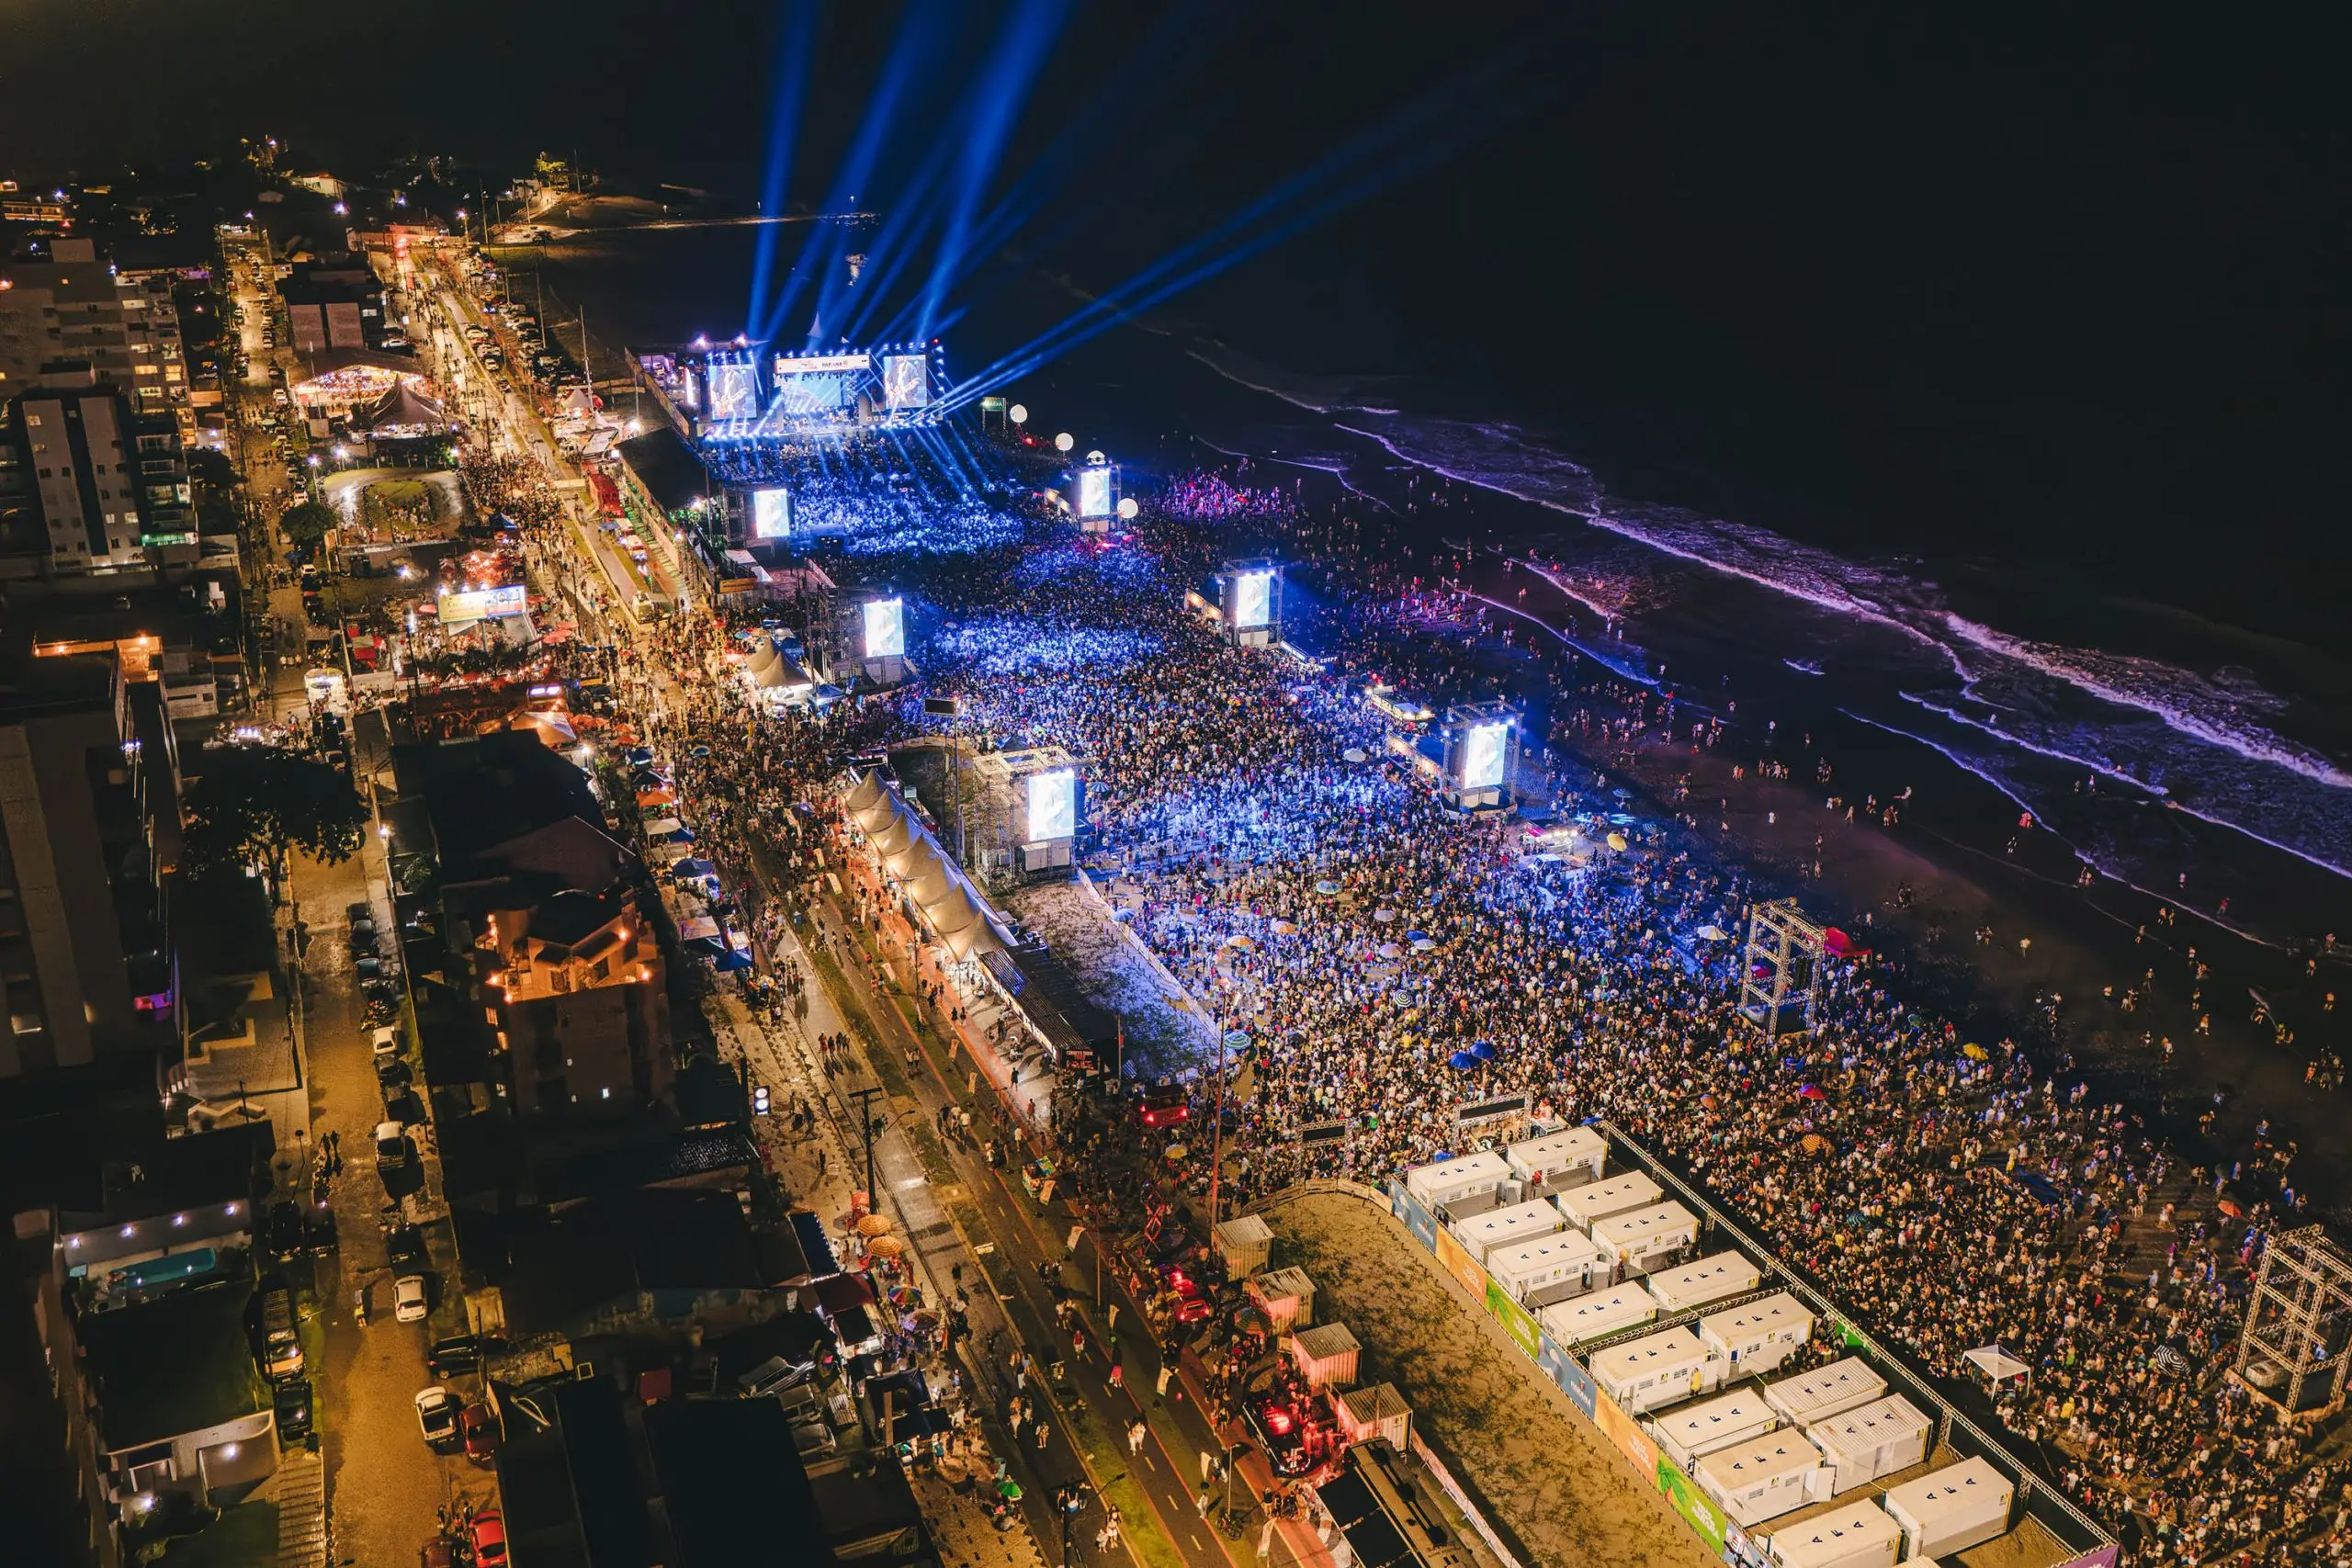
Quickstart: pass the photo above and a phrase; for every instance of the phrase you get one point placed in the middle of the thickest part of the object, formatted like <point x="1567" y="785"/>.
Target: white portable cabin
<point x="1956" y="1507"/>
<point x="1559" y="1161"/>
<point x="1565" y="1261"/>
<point x="1483" y="1234"/>
<point x="1642" y="1238"/>
<point x="1452" y="1181"/>
<point x="1859" y="1535"/>
<point x="1658" y="1369"/>
<point x="1245" y="1242"/>
<point x="1600" y="1315"/>
<point x="1871" y="1441"/>
<point x="1816" y="1395"/>
<point x="1598" y="1199"/>
<point x="1704" y="1279"/>
<point x="1287" y="1296"/>
<point x="1757" y="1337"/>
<point x="1760" y="1479"/>
<point x="1688" y="1431"/>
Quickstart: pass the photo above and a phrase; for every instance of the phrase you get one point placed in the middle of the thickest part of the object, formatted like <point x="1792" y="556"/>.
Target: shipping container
<point x="1451" y="1180"/>
<point x="1548" y="1269"/>
<point x="1658" y="1369"/>
<point x="1600" y="1315"/>
<point x="1956" y="1507"/>
<point x="1618" y="1195"/>
<point x="1715" y="1277"/>
<point x="1559" y="1161"/>
<point x="1859" y="1535"/>
<point x="1816" y="1395"/>
<point x="1645" y="1239"/>
<point x="1871" y="1441"/>
<point x="1687" y="1431"/>
<point x="1757" y="1337"/>
<point x="1512" y="1223"/>
<point x="1760" y="1479"/>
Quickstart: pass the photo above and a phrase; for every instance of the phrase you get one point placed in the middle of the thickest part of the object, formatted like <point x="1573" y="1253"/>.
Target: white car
<point x="408" y="1300"/>
<point x="437" y="1415"/>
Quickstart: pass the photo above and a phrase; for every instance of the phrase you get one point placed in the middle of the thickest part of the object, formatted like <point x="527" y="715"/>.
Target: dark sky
<point x="2059" y="279"/>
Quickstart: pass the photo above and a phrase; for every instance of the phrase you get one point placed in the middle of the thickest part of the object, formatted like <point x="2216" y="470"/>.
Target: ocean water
<point x="2194" y="762"/>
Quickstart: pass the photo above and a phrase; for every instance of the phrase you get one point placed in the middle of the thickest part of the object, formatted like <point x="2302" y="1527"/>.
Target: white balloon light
<point x="1128" y="507"/>
<point x="1018" y="413"/>
<point x="1064" y="442"/>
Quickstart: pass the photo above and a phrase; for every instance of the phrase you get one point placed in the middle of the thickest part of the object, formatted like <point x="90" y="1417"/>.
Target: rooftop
<point x="179" y="1363"/>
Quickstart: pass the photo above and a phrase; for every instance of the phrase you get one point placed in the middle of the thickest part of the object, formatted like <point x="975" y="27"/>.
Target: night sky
<point x="2058" y="286"/>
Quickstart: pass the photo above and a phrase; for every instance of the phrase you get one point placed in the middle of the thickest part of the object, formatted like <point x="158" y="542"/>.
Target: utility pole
<point x="864" y="1098"/>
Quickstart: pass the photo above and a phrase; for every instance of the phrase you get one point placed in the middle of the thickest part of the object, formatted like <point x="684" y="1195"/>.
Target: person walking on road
<point x="1136" y="1432"/>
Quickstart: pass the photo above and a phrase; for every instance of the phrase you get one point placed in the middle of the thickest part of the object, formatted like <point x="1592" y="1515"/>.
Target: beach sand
<point x="1560" y="1492"/>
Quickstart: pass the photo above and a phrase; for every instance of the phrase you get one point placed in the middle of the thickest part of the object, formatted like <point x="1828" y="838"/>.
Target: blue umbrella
<point x="1461" y="1061"/>
<point x="1484" y="1050"/>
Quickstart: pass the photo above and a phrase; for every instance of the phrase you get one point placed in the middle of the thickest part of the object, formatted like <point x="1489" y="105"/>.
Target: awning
<point x="1997" y="1363"/>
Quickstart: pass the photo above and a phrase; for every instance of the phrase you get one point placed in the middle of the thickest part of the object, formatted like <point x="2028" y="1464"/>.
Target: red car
<point x="1192" y="1303"/>
<point x="489" y="1540"/>
<point x="479" y="1430"/>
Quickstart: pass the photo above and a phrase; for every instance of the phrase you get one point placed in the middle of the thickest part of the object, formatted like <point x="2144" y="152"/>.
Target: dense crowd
<point x="1316" y="896"/>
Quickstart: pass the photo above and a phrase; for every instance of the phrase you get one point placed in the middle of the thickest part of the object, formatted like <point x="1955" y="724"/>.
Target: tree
<point x="256" y="803"/>
<point x="212" y="469"/>
<point x="305" y="522"/>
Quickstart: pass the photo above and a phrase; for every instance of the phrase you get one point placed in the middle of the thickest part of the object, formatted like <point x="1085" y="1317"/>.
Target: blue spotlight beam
<point x="791" y="87"/>
<point x="1029" y="34"/>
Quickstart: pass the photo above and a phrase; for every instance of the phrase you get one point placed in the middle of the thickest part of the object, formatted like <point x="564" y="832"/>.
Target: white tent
<point x="1997" y="1365"/>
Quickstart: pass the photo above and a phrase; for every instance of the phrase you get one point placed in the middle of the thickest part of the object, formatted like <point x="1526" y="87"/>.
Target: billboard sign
<point x="885" y="628"/>
<point x="1053" y="805"/>
<point x="1694" y="1505"/>
<point x="1482" y="756"/>
<point x="1512" y="1315"/>
<point x="906" y="382"/>
<point x="1253" y="600"/>
<point x="772" y="514"/>
<point x="821" y="364"/>
<point x="484" y="603"/>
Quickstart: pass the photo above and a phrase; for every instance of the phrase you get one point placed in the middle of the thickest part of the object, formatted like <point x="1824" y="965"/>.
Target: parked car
<point x="409" y="1303"/>
<point x="437" y="1415"/>
<point x="392" y="1073"/>
<point x="392" y="1147"/>
<point x="478" y="1432"/>
<point x="489" y="1540"/>
<point x="386" y="1043"/>
<point x="454" y="1353"/>
<point x="286" y="1227"/>
<point x="405" y="1244"/>
<point x="320" y="1235"/>
<point x="292" y="1400"/>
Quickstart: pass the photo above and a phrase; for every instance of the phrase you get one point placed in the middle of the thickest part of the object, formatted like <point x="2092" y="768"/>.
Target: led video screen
<point x="1094" y="492"/>
<point x="905" y="382"/>
<point x="734" y="388"/>
<point x="483" y="603"/>
<point x="1053" y="805"/>
<point x="1253" y="600"/>
<point x="806" y="394"/>
<point x="885" y="628"/>
<point x="771" y="514"/>
<point x="1482" y="756"/>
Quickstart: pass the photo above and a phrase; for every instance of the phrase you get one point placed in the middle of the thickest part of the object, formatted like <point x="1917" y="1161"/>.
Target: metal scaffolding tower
<point x="1782" y="974"/>
<point x="2296" y="1324"/>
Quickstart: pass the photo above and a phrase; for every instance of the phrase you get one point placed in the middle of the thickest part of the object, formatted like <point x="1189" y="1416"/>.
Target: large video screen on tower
<point x="1253" y="600"/>
<point x="771" y="514"/>
<point x="906" y="382"/>
<point x="1482" y="756"/>
<point x="885" y="628"/>
<point x="734" y="388"/>
<point x="1094" y="492"/>
<point x="1053" y="805"/>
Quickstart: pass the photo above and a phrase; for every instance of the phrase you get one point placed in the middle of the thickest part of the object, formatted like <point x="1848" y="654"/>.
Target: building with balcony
<point x="73" y="304"/>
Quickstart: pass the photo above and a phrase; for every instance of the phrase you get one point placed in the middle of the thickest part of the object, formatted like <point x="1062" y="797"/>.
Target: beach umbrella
<point x="886" y="1247"/>
<point x="1461" y="1061"/>
<point x="1485" y="1051"/>
<point x="1283" y="927"/>
<point x="874" y="1225"/>
<point x="1327" y="888"/>
<point x="1389" y="950"/>
<point x="1621" y="793"/>
<point x="1416" y="936"/>
<point x="1811" y="1092"/>
<point x="1008" y="1489"/>
<point x="1712" y="933"/>
<point x="1383" y="916"/>
<point x="1975" y="1052"/>
<point x="2229" y="1206"/>
<point x="1177" y="1151"/>
<point x="1617" y="842"/>
<point x="1814" y="1144"/>
<point x="1424" y="944"/>
<point x="1354" y="754"/>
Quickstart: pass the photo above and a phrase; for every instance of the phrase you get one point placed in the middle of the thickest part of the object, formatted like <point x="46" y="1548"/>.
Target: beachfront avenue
<point x="1273" y="882"/>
